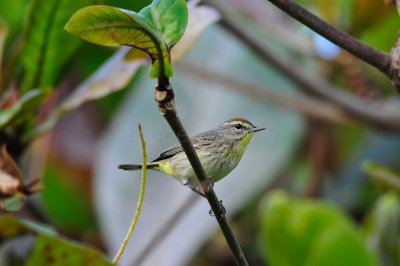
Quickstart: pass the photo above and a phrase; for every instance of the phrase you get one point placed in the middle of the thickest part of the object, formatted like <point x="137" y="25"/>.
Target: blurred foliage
<point x="66" y="203"/>
<point x="318" y="233"/>
<point x="382" y="229"/>
<point x="41" y="65"/>
<point x="49" y="249"/>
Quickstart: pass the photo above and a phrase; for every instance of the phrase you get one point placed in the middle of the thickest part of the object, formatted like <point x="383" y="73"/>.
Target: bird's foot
<point x="208" y="186"/>
<point x="223" y="213"/>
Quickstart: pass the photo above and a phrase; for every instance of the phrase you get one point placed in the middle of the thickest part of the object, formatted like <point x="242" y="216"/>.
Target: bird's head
<point x="239" y="129"/>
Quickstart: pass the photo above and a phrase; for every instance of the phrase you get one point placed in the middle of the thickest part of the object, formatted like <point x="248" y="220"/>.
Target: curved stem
<point x="139" y="203"/>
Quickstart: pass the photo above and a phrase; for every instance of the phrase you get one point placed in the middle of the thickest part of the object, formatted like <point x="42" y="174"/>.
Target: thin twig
<point x="139" y="203"/>
<point x="386" y="114"/>
<point x="164" y="97"/>
<point x="376" y="58"/>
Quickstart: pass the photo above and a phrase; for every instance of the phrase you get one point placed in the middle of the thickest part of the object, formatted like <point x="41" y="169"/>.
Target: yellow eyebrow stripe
<point x="239" y="122"/>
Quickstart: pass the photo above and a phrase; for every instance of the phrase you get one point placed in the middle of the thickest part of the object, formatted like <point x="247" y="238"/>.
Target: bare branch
<point x="395" y="66"/>
<point x="368" y="54"/>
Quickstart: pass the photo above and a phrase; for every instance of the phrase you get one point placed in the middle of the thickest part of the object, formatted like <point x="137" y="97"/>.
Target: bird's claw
<point x="223" y="213"/>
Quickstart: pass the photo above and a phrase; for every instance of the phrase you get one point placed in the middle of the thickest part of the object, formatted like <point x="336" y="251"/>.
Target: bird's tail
<point x="132" y="167"/>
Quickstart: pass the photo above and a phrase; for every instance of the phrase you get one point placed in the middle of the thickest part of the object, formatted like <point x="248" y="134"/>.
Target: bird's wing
<point x="200" y="140"/>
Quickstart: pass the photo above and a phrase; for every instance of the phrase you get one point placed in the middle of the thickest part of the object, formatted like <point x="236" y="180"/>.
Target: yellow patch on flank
<point x="165" y="167"/>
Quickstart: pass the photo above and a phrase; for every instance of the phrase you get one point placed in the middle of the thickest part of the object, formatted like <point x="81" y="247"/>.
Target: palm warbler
<point x="219" y="151"/>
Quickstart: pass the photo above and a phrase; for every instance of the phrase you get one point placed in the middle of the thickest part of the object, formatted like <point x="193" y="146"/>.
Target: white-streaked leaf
<point x="112" y="76"/>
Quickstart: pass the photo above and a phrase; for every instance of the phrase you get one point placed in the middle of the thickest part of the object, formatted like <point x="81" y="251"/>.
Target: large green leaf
<point x="309" y="233"/>
<point x="153" y="30"/>
<point x="47" y="47"/>
<point x="111" y="26"/>
<point x="170" y="17"/>
<point x="57" y="251"/>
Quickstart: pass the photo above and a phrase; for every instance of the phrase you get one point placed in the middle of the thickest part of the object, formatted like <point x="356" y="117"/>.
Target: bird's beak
<point x="256" y="129"/>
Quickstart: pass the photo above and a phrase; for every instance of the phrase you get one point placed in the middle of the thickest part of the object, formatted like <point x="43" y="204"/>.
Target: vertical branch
<point x="164" y="97"/>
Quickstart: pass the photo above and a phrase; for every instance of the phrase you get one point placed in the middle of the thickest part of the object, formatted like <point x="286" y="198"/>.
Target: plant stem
<point x="139" y="203"/>
<point x="378" y="59"/>
<point x="164" y="97"/>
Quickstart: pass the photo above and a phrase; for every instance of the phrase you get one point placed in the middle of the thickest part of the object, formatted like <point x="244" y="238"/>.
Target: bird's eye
<point x="238" y="126"/>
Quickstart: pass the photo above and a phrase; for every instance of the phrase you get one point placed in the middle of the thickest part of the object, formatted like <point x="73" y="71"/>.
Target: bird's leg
<point x="223" y="210"/>
<point x="209" y="186"/>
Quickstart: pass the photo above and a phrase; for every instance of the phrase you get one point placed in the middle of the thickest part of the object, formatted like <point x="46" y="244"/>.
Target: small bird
<point x="219" y="151"/>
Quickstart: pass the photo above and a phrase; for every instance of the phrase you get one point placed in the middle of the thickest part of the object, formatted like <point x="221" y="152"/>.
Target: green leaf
<point x="382" y="176"/>
<point x="170" y="17"/>
<point x="13" y="203"/>
<point x="64" y="202"/>
<point x="47" y="47"/>
<point x="111" y="26"/>
<point x="11" y="226"/>
<point x="49" y="248"/>
<point x="56" y="251"/>
<point x="23" y="108"/>
<point x="309" y="233"/>
<point x="382" y="228"/>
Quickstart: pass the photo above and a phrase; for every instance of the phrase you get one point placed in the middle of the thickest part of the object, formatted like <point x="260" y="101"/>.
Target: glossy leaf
<point x="382" y="229"/>
<point x="309" y="233"/>
<point x="111" y="26"/>
<point x="170" y="18"/>
<point x="47" y="47"/>
<point x="50" y="250"/>
<point x="22" y="108"/>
